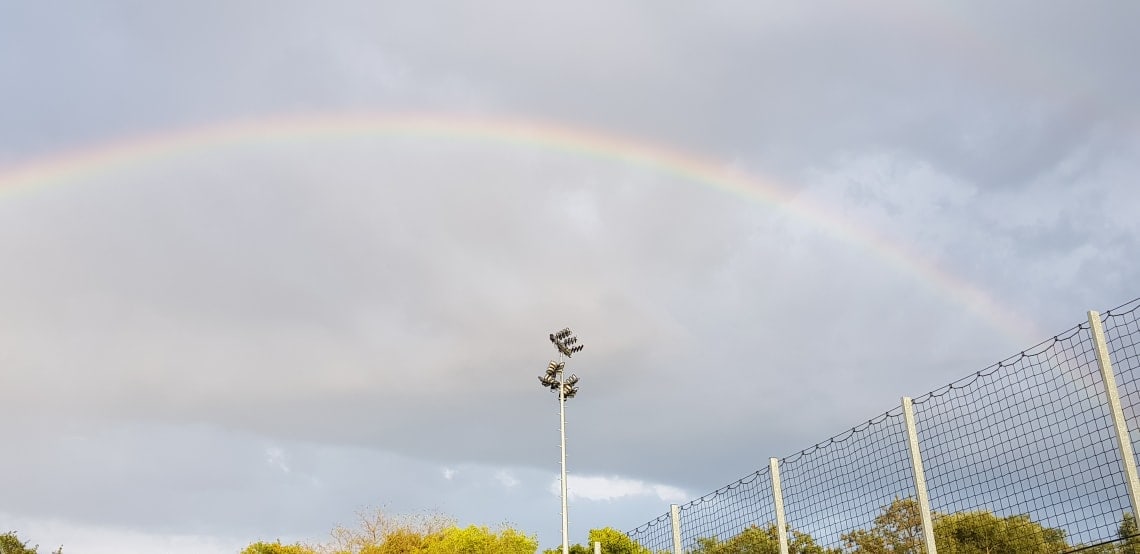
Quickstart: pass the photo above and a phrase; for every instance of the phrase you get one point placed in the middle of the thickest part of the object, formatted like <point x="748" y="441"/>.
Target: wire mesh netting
<point x="727" y="512"/>
<point x="655" y="535"/>
<point x="840" y="485"/>
<point x="1031" y="436"/>
<point x="1122" y="333"/>
<point x="1025" y="449"/>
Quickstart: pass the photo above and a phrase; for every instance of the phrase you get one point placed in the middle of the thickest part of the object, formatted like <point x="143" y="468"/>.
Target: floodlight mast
<point x="555" y="380"/>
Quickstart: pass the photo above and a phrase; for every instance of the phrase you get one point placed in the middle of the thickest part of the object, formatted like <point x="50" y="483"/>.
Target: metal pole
<point x="1123" y="439"/>
<point x="919" y="476"/>
<point x="778" y="498"/>
<point x="562" y="432"/>
<point x="675" y="519"/>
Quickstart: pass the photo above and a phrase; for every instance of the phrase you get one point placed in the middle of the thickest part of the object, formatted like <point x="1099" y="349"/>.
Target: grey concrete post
<point x="1123" y="439"/>
<point x="778" y="499"/>
<point x="675" y="518"/>
<point x="919" y="476"/>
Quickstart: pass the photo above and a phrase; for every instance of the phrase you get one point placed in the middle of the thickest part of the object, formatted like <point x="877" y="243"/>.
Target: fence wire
<point x="841" y="484"/>
<point x="729" y="510"/>
<point x="1028" y="443"/>
<point x="655" y="535"/>
<point x="1030" y="435"/>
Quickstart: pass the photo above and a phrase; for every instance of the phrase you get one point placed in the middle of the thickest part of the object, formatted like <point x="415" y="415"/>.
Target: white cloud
<point x="275" y="456"/>
<point x="594" y="487"/>
<point x="506" y="478"/>
<point x="448" y="473"/>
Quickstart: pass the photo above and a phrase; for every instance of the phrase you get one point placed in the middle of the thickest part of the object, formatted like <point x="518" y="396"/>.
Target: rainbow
<point x="108" y="158"/>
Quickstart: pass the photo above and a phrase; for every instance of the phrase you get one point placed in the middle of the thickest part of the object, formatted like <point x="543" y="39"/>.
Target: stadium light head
<point x="566" y="342"/>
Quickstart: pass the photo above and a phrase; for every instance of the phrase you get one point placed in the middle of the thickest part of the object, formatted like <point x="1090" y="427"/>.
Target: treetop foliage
<point x="379" y="533"/>
<point x="11" y="544"/>
<point x="762" y="540"/>
<point x="613" y="542"/>
<point x="897" y="529"/>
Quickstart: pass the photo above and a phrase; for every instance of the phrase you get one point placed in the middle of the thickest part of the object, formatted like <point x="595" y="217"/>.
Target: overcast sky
<point x="250" y="339"/>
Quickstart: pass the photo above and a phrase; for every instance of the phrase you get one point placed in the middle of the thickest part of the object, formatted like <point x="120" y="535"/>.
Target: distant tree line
<point x="896" y="530"/>
<point x="378" y="533"/>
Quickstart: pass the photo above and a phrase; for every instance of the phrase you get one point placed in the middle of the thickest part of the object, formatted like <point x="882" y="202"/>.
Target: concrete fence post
<point x="919" y="476"/>
<point x="1123" y="439"/>
<point x="778" y="500"/>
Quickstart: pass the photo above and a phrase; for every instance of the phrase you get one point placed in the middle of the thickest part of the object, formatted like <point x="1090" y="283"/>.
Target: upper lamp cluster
<point x="566" y="343"/>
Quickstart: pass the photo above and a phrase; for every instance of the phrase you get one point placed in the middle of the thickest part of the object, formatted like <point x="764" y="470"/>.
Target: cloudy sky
<point x="267" y="264"/>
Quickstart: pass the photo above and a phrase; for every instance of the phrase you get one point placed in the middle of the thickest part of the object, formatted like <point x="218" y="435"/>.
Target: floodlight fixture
<point x="566" y="342"/>
<point x="555" y="379"/>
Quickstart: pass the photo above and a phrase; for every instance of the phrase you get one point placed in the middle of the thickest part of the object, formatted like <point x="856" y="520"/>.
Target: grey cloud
<point x="420" y="295"/>
<point x="384" y="302"/>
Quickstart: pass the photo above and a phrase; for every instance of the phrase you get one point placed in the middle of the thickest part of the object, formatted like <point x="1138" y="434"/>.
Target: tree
<point x="376" y="532"/>
<point x="613" y="542"/>
<point x="401" y="541"/>
<point x="277" y="548"/>
<point x="379" y="533"/>
<point x="762" y="540"/>
<point x="982" y="532"/>
<point x="1129" y="535"/>
<point x="899" y="529"/>
<point x="11" y="544"/>
<point x="480" y="540"/>
<point x="574" y="549"/>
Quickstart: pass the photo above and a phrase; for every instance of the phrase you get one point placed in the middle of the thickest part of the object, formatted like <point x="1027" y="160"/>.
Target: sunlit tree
<point x="277" y="548"/>
<point x="761" y="540"/>
<point x="898" y="529"/>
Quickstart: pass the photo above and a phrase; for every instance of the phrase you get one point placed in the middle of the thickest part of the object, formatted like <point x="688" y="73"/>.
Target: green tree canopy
<point x="277" y="548"/>
<point x="1129" y="535"/>
<point x="762" y="540"/>
<point x="899" y="529"/>
<point x="379" y="533"/>
<point x="613" y="542"/>
<point x="480" y="540"/>
<point x="11" y="544"/>
<point x="981" y="532"/>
